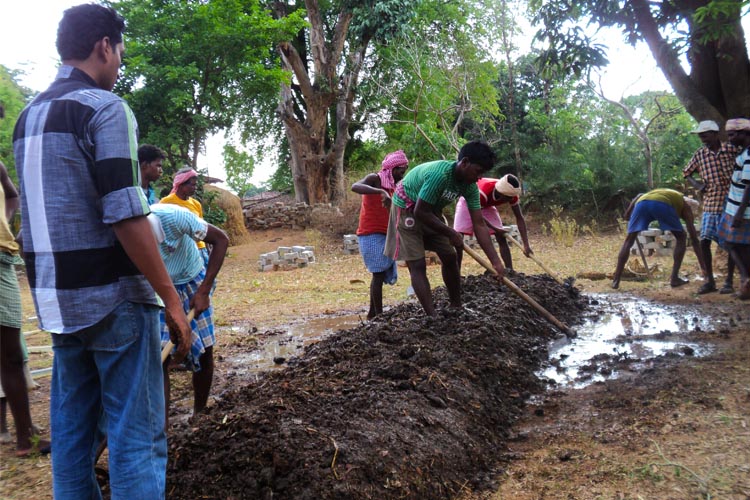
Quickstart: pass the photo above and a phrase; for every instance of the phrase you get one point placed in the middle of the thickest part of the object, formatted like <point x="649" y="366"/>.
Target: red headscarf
<point x="391" y="161"/>
<point x="182" y="178"/>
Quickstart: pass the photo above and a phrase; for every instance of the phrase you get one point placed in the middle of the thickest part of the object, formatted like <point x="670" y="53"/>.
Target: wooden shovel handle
<point x="169" y="345"/>
<point x="559" y="324"/>
<point x="533" y="257"/>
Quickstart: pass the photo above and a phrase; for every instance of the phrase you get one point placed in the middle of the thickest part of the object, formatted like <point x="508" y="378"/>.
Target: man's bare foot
<point x="42" y="447"/>
<point x="678" y="282"/>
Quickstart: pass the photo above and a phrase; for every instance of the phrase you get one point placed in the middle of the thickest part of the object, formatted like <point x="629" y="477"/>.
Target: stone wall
<point x="278" y="215"/>
<point x="292" y="216"/>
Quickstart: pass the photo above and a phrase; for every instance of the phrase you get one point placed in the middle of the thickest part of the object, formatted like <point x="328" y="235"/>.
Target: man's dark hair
<point x="478" y="152"/>
<point x="84" y="25"/>
<point x="148" y="153"/>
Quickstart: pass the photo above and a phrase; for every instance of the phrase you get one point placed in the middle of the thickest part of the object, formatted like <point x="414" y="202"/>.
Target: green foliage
<point x="434" y="78"/>
<point x="239" y="167"/>
<point x="212" y="213"/>
<point x="13" y="98"/>
<point x="194" y="68"/>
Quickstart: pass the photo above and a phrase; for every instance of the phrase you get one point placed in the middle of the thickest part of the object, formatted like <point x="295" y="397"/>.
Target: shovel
<point x="533" y="257"/>
<point x="169" y="345"/>
<point x="559" y="324"/>
<point x="643" y="257"/>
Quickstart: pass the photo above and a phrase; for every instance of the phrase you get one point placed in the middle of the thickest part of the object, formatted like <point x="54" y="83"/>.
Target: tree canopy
<point x="13" y="98"/>
<point x="195" y="68"/>
<point x="707" y="33"/>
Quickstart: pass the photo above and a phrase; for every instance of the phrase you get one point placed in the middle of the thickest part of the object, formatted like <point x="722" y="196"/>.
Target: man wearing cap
<point x="183" y="188"/>
<point x="493" y="193"/>
<point x="666" y="206"/>
<point x="376" y="190"/>
<point x="714" y="162"/>
<point x="416" y="222"/>
<point x="734" y="228"/>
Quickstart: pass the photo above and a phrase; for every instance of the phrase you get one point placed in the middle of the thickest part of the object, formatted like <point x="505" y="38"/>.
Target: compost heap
<point x="404" y="406"/>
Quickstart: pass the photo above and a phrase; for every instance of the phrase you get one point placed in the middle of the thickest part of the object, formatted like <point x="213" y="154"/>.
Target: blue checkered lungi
<point x="732" y="235"/>
<point x="710" y="226"/>
<point x="371" y="247"/>
<point x="202" y="326"/>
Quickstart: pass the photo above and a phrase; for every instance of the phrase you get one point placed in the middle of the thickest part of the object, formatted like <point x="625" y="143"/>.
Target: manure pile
<point x="403" y="407"/>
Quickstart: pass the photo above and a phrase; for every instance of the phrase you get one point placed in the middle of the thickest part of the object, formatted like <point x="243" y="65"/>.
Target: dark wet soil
<point x="403" y="407"/>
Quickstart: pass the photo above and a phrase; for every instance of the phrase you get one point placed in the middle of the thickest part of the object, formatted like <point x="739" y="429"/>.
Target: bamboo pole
<point x="533" y="257"/>
<point x="169" y="345"/>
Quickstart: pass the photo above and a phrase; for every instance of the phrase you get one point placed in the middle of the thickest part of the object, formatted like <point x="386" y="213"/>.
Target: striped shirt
<point x="76" y="154"/>
<point x="435" y="182"/>
<point x="181" y="229"/>
<point x="716" y="170"/>
<point x="740" y="181"/>
<point x="191" y="204"/>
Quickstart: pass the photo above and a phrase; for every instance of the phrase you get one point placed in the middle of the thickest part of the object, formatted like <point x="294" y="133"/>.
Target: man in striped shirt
<point x="734" y="228"/>
<point x="714" y="162"/>
<point x="177" y="230"/>
<point x="93" y="266"/>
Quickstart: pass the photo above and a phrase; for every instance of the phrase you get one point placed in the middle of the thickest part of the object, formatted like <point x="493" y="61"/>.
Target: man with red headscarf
<point x="183" y="188"/>
<point x="493" y="193"/>
<point x="376" y="191"/>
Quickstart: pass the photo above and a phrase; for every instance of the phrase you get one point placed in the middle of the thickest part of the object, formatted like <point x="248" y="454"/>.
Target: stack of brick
<point x="655" y="241"/>
<point x="473" y="243"/>
<point x="285" y="258"/>
<point x="278" y="215"/>
<point x="351" y="244"/>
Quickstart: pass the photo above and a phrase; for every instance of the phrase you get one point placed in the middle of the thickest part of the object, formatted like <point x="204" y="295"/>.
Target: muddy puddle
<point x="622" y="335"/>
<point x="283" y="343"/>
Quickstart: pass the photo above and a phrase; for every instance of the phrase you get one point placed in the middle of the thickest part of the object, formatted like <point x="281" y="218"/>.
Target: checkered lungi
<point x="710" y="226"/>
<point x="10" y="294"/>
<point x="731" y="235"/>
<point x="371" y="247"/>
<point x="202" y="326"/>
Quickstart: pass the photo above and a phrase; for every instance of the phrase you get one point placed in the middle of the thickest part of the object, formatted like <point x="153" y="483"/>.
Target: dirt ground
<point x="409" y="407"/>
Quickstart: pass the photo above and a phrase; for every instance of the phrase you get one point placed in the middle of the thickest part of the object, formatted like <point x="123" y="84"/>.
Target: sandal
<point x="726" y="289"/>
<point x="744" y="292"/>
<point x="42" y="447"/>
<point x="707" y="288"/>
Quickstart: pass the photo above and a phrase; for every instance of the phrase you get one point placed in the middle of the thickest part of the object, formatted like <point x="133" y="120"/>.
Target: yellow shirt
<point x="7" y="241"/>
<point x="668" y="196"/>
<point x="191" y="204"/>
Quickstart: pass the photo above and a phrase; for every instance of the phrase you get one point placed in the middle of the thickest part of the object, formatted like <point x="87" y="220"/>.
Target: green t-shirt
<point x="668" y="196"/>
<point x="435" y="182"/>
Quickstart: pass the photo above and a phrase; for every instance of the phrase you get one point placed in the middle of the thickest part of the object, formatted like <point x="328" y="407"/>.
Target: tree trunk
<point x="318" y="160"/>
<point x="718" y="87"/>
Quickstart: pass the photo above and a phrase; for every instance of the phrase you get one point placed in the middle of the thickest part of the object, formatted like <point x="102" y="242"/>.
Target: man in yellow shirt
<point x="183" y="188"/>
<point x="666" y="206"/>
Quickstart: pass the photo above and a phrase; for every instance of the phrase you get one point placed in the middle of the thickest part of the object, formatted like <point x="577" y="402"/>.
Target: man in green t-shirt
<point x="416" y="223"/>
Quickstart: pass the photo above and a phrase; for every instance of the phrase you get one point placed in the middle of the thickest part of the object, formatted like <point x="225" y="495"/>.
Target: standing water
<point x="625" y="334"/>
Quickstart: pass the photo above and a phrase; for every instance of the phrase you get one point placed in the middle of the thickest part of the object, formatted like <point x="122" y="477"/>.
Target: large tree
<point x="196" y="68"/>
<point x="317" y="102"/>
<point x="707" y="32"/>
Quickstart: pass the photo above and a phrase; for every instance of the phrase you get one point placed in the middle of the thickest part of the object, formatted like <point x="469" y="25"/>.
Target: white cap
<point x="706" y="126"/>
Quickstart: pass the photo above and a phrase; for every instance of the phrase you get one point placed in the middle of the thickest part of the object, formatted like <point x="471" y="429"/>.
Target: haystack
<point x="232" y="206"/>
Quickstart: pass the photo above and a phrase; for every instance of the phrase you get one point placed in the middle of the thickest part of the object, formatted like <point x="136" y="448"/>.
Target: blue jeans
<point x="113" y="366"/>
